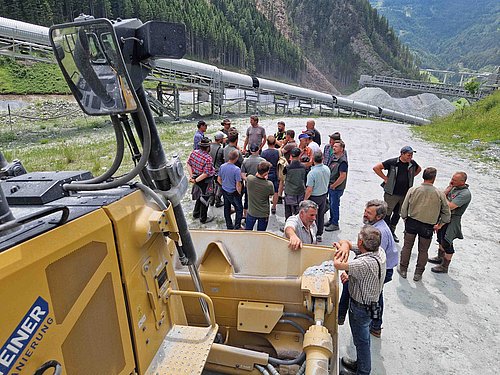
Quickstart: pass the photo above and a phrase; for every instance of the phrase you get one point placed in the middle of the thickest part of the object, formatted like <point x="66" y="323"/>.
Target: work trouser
<point x="394" y="203"/>
<point x="320" y="200"/>
<point x="414" y="228"/>
<point x="292" y="204"/>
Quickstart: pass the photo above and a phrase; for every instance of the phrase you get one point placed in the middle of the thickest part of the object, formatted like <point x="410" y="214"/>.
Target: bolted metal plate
<point x="183" y="351"/>
<point x="258" y="317"/>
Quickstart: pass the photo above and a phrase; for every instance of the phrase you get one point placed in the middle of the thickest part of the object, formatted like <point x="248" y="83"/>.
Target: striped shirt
<point x="365" y="285"/>
<point x="201" y="162"/>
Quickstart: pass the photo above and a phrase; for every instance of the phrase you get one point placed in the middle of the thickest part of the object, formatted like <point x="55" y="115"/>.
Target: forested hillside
<point x="447" y="33"/>
<point x="342" y="39"/>
<point x="347" y="38"/>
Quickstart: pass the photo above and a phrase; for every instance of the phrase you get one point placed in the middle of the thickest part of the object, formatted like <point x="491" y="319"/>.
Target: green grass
<point x="476" y="126"/>
<point x="87" y="143"/>
<point x="30" y="78"/>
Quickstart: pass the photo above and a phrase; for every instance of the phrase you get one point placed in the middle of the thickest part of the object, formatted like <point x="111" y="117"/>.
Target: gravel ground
<point x="445" y="324"/>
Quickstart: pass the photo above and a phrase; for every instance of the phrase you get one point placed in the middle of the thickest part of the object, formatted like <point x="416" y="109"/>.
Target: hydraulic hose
<point x="152" y="194"/>
<point x="129" y="176"/>
<point x="120" y="150"/>
<point x="262" y="369"/>
<point x="298" y="315"/>
<point x="287" y="362"/>
<point x="302" y="369"/>
<point x="272" y="370"/>
<point x="294" y="324"/>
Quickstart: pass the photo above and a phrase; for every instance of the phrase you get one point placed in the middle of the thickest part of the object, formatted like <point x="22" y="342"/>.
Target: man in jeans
<point x="366" y="273"/>
<point x="425" y="210"/>
<point x="259" y="189"/>
<point x="374" y="214"/>
<point x="317" y="190"/>
<point x="230" y="180"/>
<point x="338" y="180"/>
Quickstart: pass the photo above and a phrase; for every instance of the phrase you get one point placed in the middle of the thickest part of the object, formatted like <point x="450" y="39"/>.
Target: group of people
<point x="424" y="209"/>
<point x="299" y="170"/>
<point x="313" y="182"/>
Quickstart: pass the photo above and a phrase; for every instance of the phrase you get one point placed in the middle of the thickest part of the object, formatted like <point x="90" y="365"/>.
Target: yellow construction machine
<point x="100" y="275"/>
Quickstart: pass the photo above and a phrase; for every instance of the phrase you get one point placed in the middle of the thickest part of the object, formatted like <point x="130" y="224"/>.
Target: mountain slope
<point x="315" y="43"/>
<point x="447" y="33"/>
<point x="343" y="38"/>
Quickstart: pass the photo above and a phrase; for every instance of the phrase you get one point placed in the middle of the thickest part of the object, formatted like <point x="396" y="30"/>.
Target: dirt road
<point x="445" y="324"/>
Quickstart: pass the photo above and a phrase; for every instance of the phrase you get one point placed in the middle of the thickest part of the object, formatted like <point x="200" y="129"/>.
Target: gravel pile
<point x="423" y="105"/>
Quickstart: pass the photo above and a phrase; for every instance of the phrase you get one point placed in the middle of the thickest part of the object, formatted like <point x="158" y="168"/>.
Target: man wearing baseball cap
<point x="401" y="172"/>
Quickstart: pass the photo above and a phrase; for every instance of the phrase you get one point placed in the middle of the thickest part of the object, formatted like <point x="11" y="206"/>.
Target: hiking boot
<point x="442" y="268"/>
<point x="402" y="273"/>
<point x="332" y="228"/>
<point x="438" y="259"/>
<point x="417" y="277"/>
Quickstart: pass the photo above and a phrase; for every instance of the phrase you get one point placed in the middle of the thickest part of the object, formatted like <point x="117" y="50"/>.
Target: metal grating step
<point x="184" y="351"/>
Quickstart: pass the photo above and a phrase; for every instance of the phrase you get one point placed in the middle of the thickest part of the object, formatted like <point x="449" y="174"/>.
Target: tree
<point x="472" y="86"/>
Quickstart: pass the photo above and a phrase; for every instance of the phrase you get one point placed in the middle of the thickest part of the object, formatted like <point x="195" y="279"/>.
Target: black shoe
<point x="219" y="204"/>
<point x="345" y="371"/>
<point x="332" y="228"/>
<point x="396" y="239"/>
<point x="349" y="363"/>
<point x="209" y="219"/>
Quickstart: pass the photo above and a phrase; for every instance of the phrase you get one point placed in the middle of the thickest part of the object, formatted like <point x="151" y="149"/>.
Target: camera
<point x="375" y="310"/>
<point x="305" y="159"/>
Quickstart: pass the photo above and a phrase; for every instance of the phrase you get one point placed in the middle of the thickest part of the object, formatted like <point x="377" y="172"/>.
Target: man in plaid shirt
<point x="201" y="172"/>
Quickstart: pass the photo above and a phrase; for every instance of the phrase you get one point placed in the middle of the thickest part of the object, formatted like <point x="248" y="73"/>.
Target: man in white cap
<point x="401" y="172"/>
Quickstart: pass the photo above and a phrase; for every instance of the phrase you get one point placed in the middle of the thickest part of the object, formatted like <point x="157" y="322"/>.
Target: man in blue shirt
<point x="200" y="133"/>
<point x="230" y="180"/>
<point x="338" y="179"/>
<point x="375" y="211"/>
<point x="317" y="190"/>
